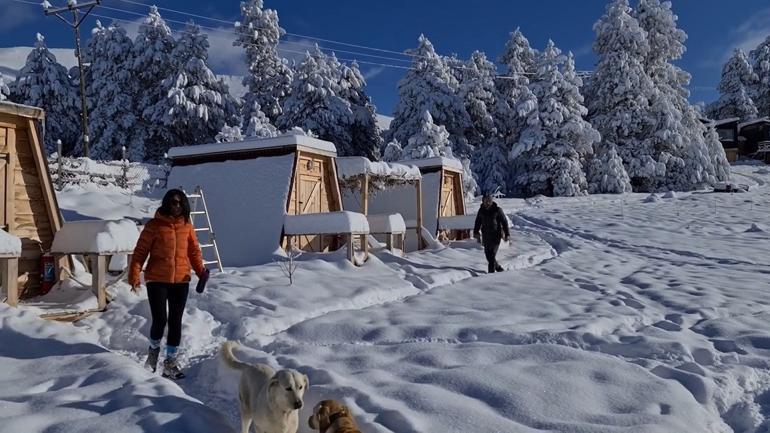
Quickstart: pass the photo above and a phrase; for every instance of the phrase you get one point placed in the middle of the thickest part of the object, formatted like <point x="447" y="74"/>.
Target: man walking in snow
<point x="490" y="228"/>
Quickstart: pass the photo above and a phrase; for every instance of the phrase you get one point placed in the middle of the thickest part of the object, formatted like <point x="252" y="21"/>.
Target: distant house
<point x="757" y="138"/>
<point x="728" y="136"/>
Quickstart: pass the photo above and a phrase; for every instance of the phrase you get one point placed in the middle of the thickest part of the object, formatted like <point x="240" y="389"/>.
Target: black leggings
<point x="490" y="251"/>
<point x="175" y="295"/>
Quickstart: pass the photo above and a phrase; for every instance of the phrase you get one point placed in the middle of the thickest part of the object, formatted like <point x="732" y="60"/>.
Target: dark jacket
<point x="493" y="224"/>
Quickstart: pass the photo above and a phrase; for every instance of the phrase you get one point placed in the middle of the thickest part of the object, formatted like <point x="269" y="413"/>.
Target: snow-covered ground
<point x="617" y="313"/>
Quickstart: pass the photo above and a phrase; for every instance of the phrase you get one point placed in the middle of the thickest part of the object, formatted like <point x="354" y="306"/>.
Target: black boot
<point x="152" y="359"/>
<point x="498" y="268"/>
<point x="171" y="369"/>
<point x="491" y="268"/>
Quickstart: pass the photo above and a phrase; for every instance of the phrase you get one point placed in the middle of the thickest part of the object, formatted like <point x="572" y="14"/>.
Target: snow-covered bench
<point x="456" y="226"/>
<point x="96" y="241"/>
<point x="348" y="224"/>
<point x="392" y="226"/>
<point x="10" y="251"/>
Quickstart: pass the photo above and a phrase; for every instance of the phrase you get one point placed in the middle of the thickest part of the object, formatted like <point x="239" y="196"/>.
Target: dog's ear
<point x="307" y="381"/>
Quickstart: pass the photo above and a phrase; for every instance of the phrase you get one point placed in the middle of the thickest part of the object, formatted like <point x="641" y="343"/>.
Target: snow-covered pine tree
<point x="4" y="90"/>
<point x="113" y="120"/>
<point x="429" y="86"/>
<point x="621" y="93"/>
<point x="153" y="62"/>
<point x="259" y="125"/>
<point x="364" y="132"/>
<point x="269" y="78"/>
<point x="198" y="104"/>
<point x="44" y="83"/>
<point x="392" y="152"/>
<point x="430" y="141"/>
<point x="717" y="154"/>
<point x="515" y="101"/>
<point x="606" y="174"/>
<point x="735" y="88"/>
<point x="760" y="58"/>
<point x="229" y="134"/>
<point x="470" y="186"/>
<point x="679" y="138"/>
<point x="548" y="158"/>
<point x="315" y="103"/>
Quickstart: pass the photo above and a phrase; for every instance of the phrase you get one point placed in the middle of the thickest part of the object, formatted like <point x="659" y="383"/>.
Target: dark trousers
<point x="173" y="296"/>
<point x="490" y="251"/>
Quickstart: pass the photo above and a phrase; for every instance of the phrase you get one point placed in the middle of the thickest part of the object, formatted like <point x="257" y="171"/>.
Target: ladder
<point x="211" y="242"/>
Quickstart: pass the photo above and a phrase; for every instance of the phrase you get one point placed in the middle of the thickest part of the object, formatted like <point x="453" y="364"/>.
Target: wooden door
<point x="447" y="206"/>
<point x="310" y="195"/>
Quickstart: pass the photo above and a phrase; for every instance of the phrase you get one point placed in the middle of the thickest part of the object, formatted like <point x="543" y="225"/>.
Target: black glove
<point x="202" y="279"/>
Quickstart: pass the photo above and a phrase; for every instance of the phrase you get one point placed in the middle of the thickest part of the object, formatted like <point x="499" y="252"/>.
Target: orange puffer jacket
<point x="173" y="249"/>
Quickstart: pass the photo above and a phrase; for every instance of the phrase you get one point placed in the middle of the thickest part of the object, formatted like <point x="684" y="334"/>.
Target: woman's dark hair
<point x="165" y="206"/>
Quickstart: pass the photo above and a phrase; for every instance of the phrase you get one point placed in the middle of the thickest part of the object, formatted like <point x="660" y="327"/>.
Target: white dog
<point x="271" y="399"/>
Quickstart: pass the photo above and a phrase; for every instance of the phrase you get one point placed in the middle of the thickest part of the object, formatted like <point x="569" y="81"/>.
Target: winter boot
<point x="152" y="359"/>
<point x="498" y="268"/>
<point x="171" y="369"/>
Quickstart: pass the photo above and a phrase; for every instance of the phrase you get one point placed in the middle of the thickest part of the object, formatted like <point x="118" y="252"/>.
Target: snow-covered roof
<point x="726" y="121"/>
<point x="439" y="161"/>
<point x="456" y="222"/>
<point x="753" y="122"/>
<point x="352" y="166"/>
<point x="96" y="237"/>
<point x="10" y="245"/>
<point x="287" y="140"/>
<point x="326" y="223"/>
<point x="383" y="121"/>
<point x="386" y="223"/>
<point x="22" y="110"/>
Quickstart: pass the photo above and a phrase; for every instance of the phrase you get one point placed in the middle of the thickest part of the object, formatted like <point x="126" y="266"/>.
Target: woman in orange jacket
<point x="169" y="241"/>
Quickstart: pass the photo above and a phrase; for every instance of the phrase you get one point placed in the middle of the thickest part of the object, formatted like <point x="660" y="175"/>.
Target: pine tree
<point x="364" y="132"/>
<point x="470" y="186"/>
<point x="315" y="103"/>
<point x="44" y="83"/>
<point x="269" y="79"/>
<point x="548" y="158"/>
<point x="760" y="58"/>
<point x="229" y="134"/>
<point x="430" y="141"/>
<point x="4" y="90"/>
<point x="198" y="104"/>
<point x="429" y="86"/>
<point x="679" y="137"/>
<point x="515" y="100"/>
<point x="153" y="62"/>
<point x="113" y="122"/>
<point x="735" y="90"/>
<point x="621" y="94"/>
<point x="491" y="167"/>
<point x="717" y="153"/>
<point x="606" y="173"/>
<point x="392" y="152"/>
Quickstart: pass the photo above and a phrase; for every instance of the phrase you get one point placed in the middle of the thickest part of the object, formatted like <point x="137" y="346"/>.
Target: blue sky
<point x="453" y="26"/>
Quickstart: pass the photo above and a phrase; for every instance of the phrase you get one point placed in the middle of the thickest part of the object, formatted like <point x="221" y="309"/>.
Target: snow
<point x="726" y="121"/>
<point x="325" y="223"/>
<point x="246" y="201"/>
<point x="439" y="161"/>
<point x="386" y="223"/>
<point x="352" y="166"/>
<point x="457" y="222"/>
<point x="96" y="236"/>
<point x="753" y="122"/>
<point x="613" y="315"/>
<point x="383" y="121"/>
<point x="252" y="144"/>
<point x="10" y="245"/>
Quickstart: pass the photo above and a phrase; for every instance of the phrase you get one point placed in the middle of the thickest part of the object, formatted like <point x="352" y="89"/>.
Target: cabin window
<point x="726" y="134"/>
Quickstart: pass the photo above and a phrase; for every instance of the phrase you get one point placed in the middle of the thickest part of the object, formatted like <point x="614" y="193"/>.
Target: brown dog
<point x="331" y="416"/>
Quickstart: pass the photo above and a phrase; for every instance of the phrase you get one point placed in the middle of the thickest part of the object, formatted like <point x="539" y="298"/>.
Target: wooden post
<point x="350" y="248"/>
<point x="418" y="187"/>
<point x="98" y="279"/>
<point x="389" y="242"/>
<point x="365" y="245"/>
<point x="10" y="275"/>
<point x="365" y="195"/>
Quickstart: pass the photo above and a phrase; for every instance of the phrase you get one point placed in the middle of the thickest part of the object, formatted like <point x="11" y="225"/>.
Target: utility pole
<point x="74" y="7"/>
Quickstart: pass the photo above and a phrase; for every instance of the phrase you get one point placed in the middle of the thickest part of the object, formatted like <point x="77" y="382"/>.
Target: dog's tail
<point x="230" y="360"/>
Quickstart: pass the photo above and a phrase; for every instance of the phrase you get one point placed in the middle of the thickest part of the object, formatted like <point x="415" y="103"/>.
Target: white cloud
<point x="373" y="72"/>
<point x="224" y="58"/>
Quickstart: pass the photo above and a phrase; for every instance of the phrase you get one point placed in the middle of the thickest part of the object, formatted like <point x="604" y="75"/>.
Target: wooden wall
<point x="314" y="189"/>
<point x="25" y="203"/>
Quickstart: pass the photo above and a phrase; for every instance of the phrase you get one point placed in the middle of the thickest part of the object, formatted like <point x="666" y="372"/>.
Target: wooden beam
<point x="350" y="248"/>
<point x="335" y="182"/>
<point x="418" y="190"/>
<point x="10" y="182"/>
<point x="365" y="246"/>
<point x="365" y="195"/>
<point x="45" y="177"/>
<point x="10" y="275"/>
<point x="99" y="279"/>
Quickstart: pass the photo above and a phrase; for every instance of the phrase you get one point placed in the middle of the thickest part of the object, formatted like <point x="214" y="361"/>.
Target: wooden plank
<point x="3" y="196"/>
<point x="10" y="121"/>
<point x="365" y="195"/>
<point x="25" y="179"/>
<point x="99" y="280"/>
<point x="9" y="179"/>
<point x="335" y="185"/>
<point x="54" y="214"/>
<point x="312" y="197"/>
<point x="418" y="190"/>
<point x="10" y="275"/>
<point x="292" y="206"/>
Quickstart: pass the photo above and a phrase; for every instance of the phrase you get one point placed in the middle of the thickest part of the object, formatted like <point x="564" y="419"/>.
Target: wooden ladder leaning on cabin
<point x="212" y="241"/>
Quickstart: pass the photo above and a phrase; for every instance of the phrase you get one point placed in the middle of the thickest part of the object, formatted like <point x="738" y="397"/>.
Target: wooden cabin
<point x="756" y="134"/>
<point x="442" y="191"/>
<point x="252" y="184"/>
<point x="29" y="207"/>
